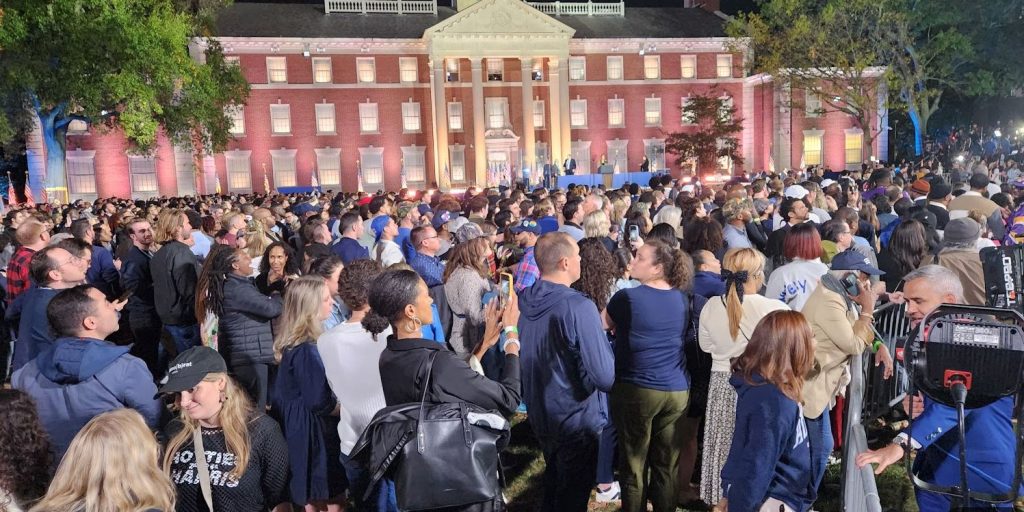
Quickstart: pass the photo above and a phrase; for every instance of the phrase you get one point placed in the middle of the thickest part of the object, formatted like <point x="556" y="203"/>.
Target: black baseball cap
<point x="190" y="367"/>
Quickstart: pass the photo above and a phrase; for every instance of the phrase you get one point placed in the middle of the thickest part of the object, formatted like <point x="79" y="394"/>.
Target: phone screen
<point x="504" y="290"/>
<point x="124" y="296"/>
<point x="634" y="233"/>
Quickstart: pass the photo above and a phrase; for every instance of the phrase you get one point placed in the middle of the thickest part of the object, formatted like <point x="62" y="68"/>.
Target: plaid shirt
<point x="17" y="273"/>
<point x="527" y="271"/>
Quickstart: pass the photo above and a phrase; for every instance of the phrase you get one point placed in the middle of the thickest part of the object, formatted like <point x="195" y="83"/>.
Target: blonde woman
<point x="303" y="397"/>
<point x="726" y="324"/>
<point x="111" y="465"/>
<point x="246" y="456"/>
<point x="256" y="241"/>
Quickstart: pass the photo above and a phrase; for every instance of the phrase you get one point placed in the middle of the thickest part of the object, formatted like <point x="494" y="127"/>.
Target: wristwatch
<point x="903" y="441"/>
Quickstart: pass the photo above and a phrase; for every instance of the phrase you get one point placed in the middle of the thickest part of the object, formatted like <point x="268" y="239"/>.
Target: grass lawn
<point x="524" y="464"/>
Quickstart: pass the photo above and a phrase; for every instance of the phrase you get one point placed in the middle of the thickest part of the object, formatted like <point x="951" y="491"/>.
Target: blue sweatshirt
<point x="34" y="336"/>
<point x="769" y="456"/>
<point x="565" y="360"/>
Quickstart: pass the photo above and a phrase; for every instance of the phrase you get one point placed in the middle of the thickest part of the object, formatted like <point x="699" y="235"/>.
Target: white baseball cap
<point x="796" y="191"/>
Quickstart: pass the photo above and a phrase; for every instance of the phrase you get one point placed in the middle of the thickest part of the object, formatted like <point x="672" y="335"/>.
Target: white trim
<point x="287" y="110"/>
<point x="329" y="70"/>
<point x="280" y="161"/>
<point x="657" y="67"/>
<point x="620" y="105"/>
<point x="621" y="65"/>
<point x="372" y="70"/>
<point x="374" y="153"/>
<point x="239" y="155"/>
<point x="326" y="153"/>
<point x="682" y="59"/>
<point x="147" y="176"/>
<point x="325" y="108"/>
<point x="402" y="62"/>
<point x="284" y="69"/>
<point x="412" y="153"/>
<point x="581" y="63"/>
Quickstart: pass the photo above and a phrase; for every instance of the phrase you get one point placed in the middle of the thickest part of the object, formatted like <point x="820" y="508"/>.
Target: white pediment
<point x="490" y="18"/>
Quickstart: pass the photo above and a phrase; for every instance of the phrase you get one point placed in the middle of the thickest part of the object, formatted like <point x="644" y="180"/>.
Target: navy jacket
<point x="566" y="359"/>
<point x="349" y="250"/>
<point x="34" y="336"/>
<point x="175" y="272"/>
<point x="102" y="273"/>
<point x="135" y="275"/>
<point x="769" y="456"/>
<point x="245" y="336"/>
<point x="708" y="284"/>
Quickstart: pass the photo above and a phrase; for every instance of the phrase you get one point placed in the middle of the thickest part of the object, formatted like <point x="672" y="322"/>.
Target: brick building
<point x="437" y="94"/>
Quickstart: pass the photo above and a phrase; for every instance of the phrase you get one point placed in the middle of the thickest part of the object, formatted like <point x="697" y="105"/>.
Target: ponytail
<point x="676" y="265"/>
<point x="374" y="323"/>
<point x="739" y="266"/>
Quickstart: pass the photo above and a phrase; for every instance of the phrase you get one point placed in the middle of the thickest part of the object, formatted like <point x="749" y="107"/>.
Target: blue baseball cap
<point x="853" y="260"/>
<point x="528" y="225"/>
<point x="377" y="225"/>
<point x="441" y="217"/>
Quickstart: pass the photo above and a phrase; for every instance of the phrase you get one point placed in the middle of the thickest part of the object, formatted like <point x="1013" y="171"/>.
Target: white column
<point x="440" y="110"/>
<point x="555" y="99"/>
<point x="563" y="105"/>
<point x="479" y="149"/>
<point x="529" y="149"/>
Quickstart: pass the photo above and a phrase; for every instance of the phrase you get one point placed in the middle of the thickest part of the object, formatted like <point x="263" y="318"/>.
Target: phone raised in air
<point x="634" y="233"/>
<point x="504" y="289"/>
<point x="124" y="296"/>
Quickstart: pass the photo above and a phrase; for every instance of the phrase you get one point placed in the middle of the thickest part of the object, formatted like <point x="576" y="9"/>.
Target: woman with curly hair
<point x="24" y="452"/>
<point x="703" y="234"/>
<point x="597" y="277"/>
<point x="278" y="266"/>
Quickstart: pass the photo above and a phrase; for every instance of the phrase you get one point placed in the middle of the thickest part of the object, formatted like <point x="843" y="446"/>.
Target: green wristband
<point x="510" y="329"/>
<point x="876" y="345"/>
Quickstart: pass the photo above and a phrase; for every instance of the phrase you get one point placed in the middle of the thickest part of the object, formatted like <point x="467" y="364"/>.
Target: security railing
<point x="580" y="8"/>
<point x="381" y="6"/>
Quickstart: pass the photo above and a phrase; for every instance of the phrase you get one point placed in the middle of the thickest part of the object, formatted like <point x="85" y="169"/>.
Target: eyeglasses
<point x="69" y="260"/>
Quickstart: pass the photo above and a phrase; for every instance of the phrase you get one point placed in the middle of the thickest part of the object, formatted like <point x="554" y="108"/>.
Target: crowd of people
<point x="670" y="344"/>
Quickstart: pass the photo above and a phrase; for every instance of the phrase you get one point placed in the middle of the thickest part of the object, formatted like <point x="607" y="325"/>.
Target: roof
<point x="309" y="21"/>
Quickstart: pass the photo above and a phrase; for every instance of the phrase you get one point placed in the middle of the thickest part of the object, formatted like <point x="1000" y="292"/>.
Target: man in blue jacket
<point x="83" y="376"/>
<point x="934" y="434"/>
<point x="566" y="360"/>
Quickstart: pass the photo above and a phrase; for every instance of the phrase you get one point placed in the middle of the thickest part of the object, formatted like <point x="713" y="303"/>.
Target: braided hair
<point x="215" y="271"/>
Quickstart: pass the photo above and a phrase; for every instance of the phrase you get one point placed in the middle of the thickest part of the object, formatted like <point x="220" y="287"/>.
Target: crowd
<point x="670" y="344"/>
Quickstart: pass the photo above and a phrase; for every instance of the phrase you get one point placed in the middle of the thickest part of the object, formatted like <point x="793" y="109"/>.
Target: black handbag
<point x="453" y="459"/>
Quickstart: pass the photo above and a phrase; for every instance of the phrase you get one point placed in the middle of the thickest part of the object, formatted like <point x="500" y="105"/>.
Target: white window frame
<point x="408" y="70"/>
<point x="280" y="119"/>
<point x="812" y="105"/>
<point x="618" y="155"/>
<point x="652" y="112"/>
<point x="326" y="120"/>
<point x="184" y="171"/>
<point x="142" y="172"/>
<point x="723" y="65"/>
<point x="369" y="118"/>
<point x="652" y="67"/>
<point x="684" y="118"/>
<point x="414" y="161"/>
<point x="322" y="70"/>
<point x="577" y="68"/>
<point x="580" y="151"/>
<point x="239" y="170"/>
<point x="411" y="118"/>
<point x="457" y="162"/>
<point x="366" y="70"/>
<point x="493" y="107"/>
<point x="237" y="115"/>
<point x="614" y="68"/>
<point x="372" y="166"/>
<point x="817" y="155"/>
<point x="277" y="70"/>
<point x="495" y="69"/>
<point x="853" y="134"/>
<point x="451" y="70"/>
<point x="538" y="114"/>
<point x="688" y="66"/>
<point x="81" y="170"/>
<point x="577" y="113"/>
<point x="616" y="113"/>
<point x="328" y="166"/>
<point x="455" y="119"/>
<point x="283" y="163"/>
<point x="650" y="147"/>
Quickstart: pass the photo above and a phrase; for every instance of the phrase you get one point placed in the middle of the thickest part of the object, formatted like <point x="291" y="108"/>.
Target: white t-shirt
<point x="793" y="282"/>
<point x="714" y="328"/>
<point x="351" y="360"/>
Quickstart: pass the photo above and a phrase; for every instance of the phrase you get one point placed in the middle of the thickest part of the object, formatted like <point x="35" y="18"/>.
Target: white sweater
<point x="714" y="328"/>
<point x="793" y="282"/>
<point x="351" y="360"/>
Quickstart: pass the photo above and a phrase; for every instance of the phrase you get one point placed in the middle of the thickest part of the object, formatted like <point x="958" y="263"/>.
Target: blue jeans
<point x="382" y="499"/>
<point x="185" y="336"/>
<point x="820" y="442"/>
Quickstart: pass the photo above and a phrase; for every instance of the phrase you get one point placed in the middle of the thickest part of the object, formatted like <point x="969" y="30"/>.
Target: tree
<point x="829" y="49"/>
<point x="116" y="64"/>
<point x="714" y="136"/>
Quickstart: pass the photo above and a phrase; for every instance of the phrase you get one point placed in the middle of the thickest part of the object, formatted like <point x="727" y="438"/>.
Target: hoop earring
<point x="415" y="326"/>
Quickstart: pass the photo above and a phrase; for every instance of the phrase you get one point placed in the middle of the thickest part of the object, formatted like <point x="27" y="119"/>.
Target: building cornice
<point x="316" y="45"/>
<point x="660" y="45"/>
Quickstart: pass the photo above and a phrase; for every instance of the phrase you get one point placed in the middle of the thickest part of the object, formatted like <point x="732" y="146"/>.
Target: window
<point x="541" y="153"/>
<point x="538" y="70"/>
<point x="328" y="166"/>
<point x="322" y="70"/>
<point x="538" y="113"/>
<point x="495" y="70"/>
<point x="725" y="106"/>
<point x="723" y="66"/>
<point x="497" y="112"/>
<point x="578" y="113"/>
<point x="688" y="66"/>
<point x="457" y="156"/>
<point x="652" y="67"/>
<point x="617" y="155"/>
<point x="372" y="165"/>
<point x="410" y="117"/>
<point x="81" y="170"/>
<point x="577" y="68"/>
<point x="452" y="67"/>
<point x="366" y="70"/>
<point x="652" y="111"/>
<point x="283" y="161"/>
<point x="654" y="149"/>
<point x="237" y="115"/>
<point x="414" y="162"/>
<point x="232" y="60"/>
<point x="280" y="119"/>
<point x="325" y="124"/>
<point x="616" y="113"/>
<point x="854" y="144"/>
<point x="277" y="70"/>
<point x="688" y="117"/>
<point x="239" y="172"/>
<point x="185" y="171"/>
<point x="614" y="67"/>
<point x="581" y="153"/>
<point x="408" y="70"/>
<point x="455" y="116"/>
<point x="143" y="175"/>
<point x="368" y="118"/>
<point x="812" y="146"/>
<point x="78" y="127"/>
<point x="812" y="105"/>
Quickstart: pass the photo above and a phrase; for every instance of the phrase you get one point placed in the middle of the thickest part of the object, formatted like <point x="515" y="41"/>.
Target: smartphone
<point x="850" y="284"/>
<point x="634" y="233"/>
<point x="124" y="296"/>
<point x="504" y="289"/>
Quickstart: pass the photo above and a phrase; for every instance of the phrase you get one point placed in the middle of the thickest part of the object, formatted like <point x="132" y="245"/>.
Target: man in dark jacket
<point x="175" y="272"/>
<point x="136" y="278"/>
<point x="82" y="375"/>
<point x="566" y="361"/>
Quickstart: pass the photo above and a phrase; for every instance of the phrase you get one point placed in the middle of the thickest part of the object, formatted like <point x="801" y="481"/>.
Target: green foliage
<point x="714" y="135"/>
<point x="116" y="63"/>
